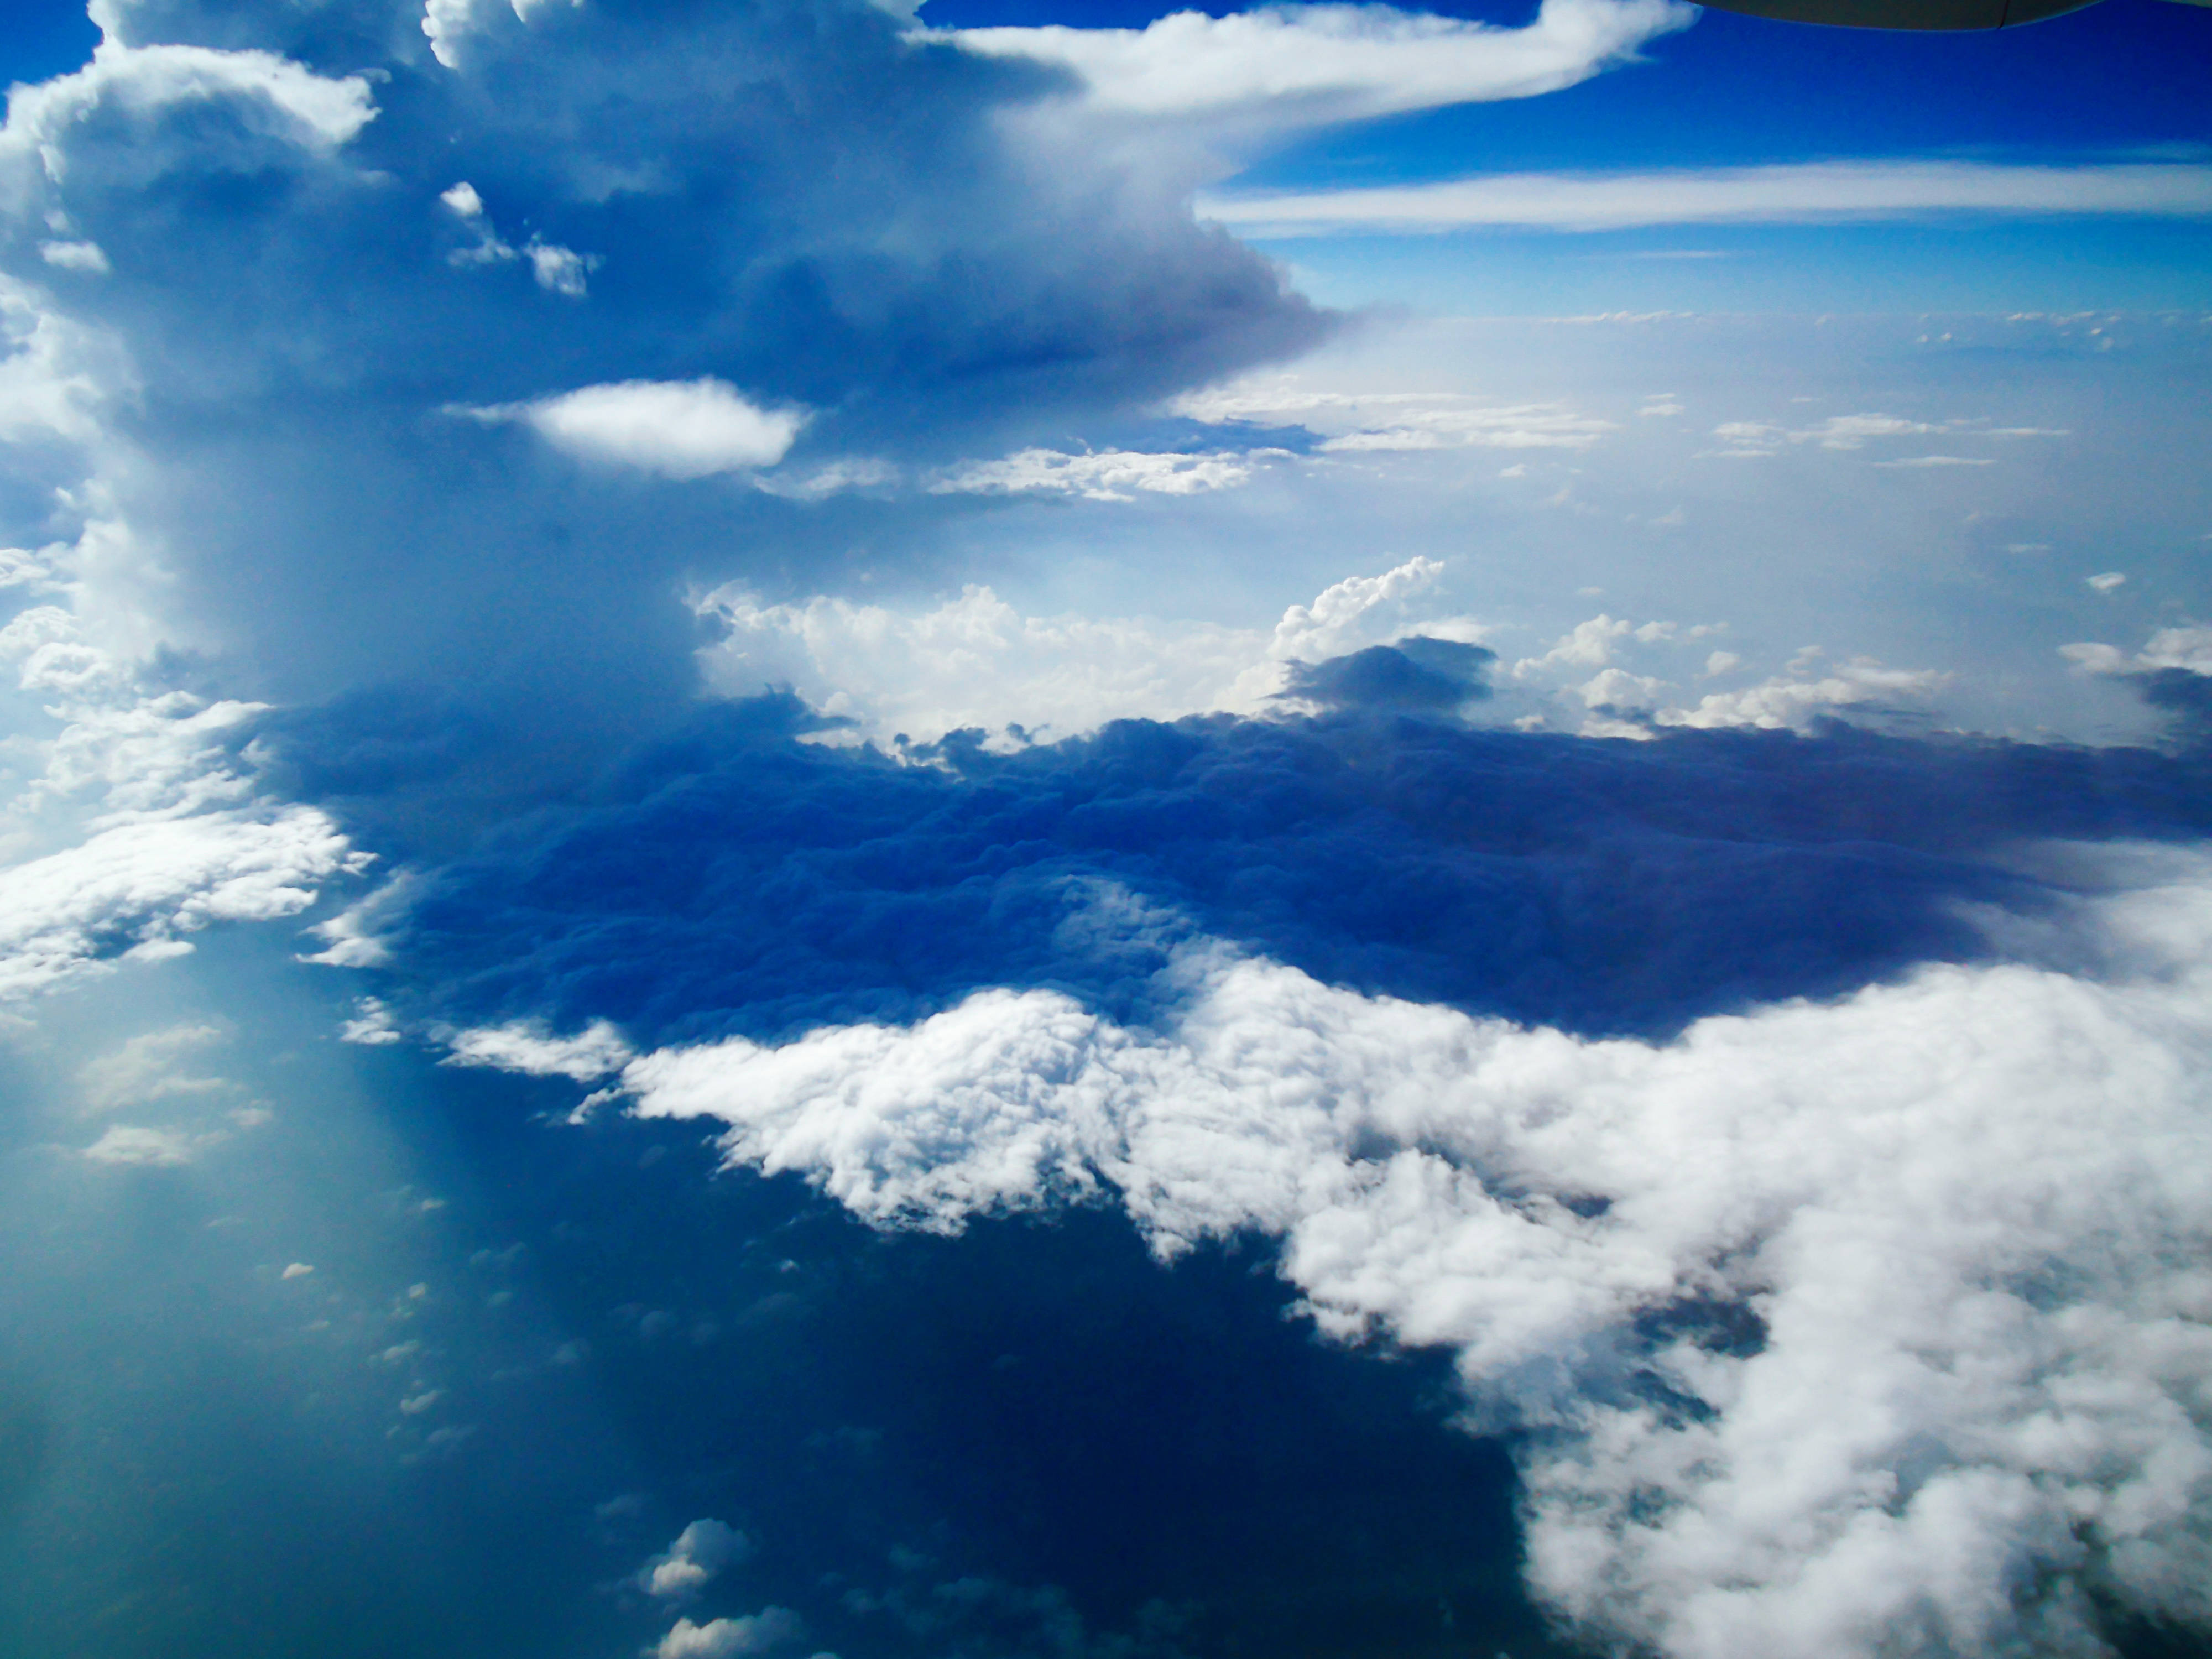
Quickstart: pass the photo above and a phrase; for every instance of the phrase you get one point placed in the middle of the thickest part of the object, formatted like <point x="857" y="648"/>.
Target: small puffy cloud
<point x="1588" y="644"/>
<point x="2106" y="581"/>
<point x="449" y="23"/>
<point x="297" y="1270"/>
<point x="463" y="199"/>
<point x="1361" y="610"/>
<point x="700" y="1551"/>
<point x="1628" y="704"/>
<point x="592" y="1054"/>
<point x="1799" y="700"/>
<point x="1303" y="65"/>
<point x="133" y="888"/>
<point x="286" y="100"/>
<point x="372" y="1025"/>
<point x="556" y="270"/>
<point x="976" y="661"/>
<point x="725" y="1638"/>
<point x="153" y="1065"/>
<point x="85" y="257"/>
<point x="137" y="1145"/>
<point x="2187" y="648"/>
<point x="20" y="569"/>
<point x="679" y="429"/>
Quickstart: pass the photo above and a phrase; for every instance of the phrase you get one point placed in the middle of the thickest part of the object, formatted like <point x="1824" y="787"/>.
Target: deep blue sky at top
<point x="2126" y="74"/>
<point x="2123" y="79"/>
<point x="1734" y="90"/>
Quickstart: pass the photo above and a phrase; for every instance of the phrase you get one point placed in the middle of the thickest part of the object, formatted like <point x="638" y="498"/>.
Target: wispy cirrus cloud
<point x="1310" y="65"/>
<point x="1790" y="193"/>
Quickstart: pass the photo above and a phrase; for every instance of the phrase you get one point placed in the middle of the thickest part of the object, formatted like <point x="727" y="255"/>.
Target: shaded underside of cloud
<point x="738" y="879"/>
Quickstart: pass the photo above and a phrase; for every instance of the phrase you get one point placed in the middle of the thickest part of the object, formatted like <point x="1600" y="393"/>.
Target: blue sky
<point x="1038" y="833"/>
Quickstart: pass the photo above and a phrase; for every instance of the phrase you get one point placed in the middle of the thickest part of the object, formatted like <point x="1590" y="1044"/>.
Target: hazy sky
<point x="1036" y="830"/>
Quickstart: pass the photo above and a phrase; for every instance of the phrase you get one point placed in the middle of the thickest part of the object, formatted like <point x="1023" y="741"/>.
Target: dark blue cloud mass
<point x="740" y="880"/>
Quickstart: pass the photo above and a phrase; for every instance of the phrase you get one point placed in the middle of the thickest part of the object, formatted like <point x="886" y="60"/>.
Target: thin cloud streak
<point x="1791" y="193"/>
<point x="1296" y="66"/>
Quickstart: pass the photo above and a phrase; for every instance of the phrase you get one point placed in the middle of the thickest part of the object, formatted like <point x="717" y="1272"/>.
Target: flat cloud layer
<point x="1794" y="193"/>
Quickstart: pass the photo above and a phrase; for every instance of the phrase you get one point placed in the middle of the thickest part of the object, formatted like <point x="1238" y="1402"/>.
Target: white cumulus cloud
<point x="1853" y="1328"/>
<point x="135" y="1144"/>
<point x="2188" y="648"/>
<point x="592" y="1053"/>
<point x="156" y="828"/>
<point x="1785" y="193"/>
<point x="287" y="100"/>
<point x="977" y="660"/>
<point x="1799" y="700"/>
<point x="725" y="1638"/>
<point x="678" y="429"/>
<point x="699" y="1553"/>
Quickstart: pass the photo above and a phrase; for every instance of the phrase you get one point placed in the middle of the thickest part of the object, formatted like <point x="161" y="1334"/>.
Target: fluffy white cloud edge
<point x="977" y="661"/>
<point x="143" y="827"/>
<point x="1969" y="1210"/>
<point x="698" y="1554"/>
